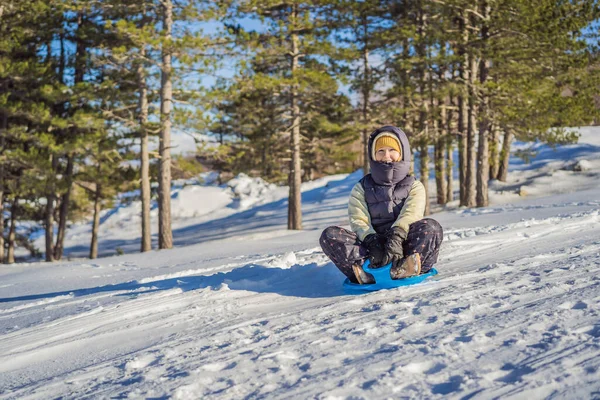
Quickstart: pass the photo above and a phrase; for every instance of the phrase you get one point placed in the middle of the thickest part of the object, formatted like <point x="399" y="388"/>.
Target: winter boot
<point x="361" y="276"/>
<point x="410" y="267"/>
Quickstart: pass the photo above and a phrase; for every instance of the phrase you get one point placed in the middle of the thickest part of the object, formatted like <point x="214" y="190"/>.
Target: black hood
<point x="388" y="174"/>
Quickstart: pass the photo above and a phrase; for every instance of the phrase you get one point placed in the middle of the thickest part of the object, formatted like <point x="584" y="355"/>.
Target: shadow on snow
<point x="310" y="281"/>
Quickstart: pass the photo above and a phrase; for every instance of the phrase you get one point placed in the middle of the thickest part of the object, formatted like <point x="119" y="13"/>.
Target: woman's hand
<point x="394" y="245"/>
<point x="377" y="252"/>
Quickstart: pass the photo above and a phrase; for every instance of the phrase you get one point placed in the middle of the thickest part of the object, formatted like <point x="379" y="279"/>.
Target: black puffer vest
<point x="388" y="184"/>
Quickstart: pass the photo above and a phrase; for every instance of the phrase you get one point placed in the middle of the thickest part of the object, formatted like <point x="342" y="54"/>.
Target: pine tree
<point x="483" y="166"/>
<point x="84" y="31"/>
<point x="535" y="60"/>
<point x="131" y="50"/>
<point x="360" y="36"/>
<point x="103" y="177"/>
<point x="149" y="46"/>
<point x="30" y="86"/>
<point x="293" y="40"/>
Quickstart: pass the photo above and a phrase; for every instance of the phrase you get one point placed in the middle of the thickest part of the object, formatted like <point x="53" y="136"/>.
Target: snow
<point x="183" y="143"/>
<point x="243" y="308"/>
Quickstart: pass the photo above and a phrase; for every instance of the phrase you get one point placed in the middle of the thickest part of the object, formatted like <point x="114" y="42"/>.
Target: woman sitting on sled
<point x="386" y="210"/>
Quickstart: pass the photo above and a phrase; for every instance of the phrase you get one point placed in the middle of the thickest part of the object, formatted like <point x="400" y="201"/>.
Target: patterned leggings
<point x="344" y="248"/>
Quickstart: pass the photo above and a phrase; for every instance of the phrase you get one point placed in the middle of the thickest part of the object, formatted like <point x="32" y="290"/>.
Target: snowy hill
<point x="242" y="308"/>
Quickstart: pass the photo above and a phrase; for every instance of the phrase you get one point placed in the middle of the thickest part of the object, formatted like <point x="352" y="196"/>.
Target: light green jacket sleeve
<point x="358" y="212"/>
<point x="413" y="208"/>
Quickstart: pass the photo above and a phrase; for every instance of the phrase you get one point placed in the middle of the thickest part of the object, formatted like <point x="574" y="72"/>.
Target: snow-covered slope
<point x="243" y="308"/>
<point x="206" y="212"/>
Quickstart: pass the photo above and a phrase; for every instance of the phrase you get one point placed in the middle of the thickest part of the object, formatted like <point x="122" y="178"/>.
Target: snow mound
<point x="195" y="201"/>
<point x="287" y="261"/>
<point x="250" y="191"/>
<point x="582" y="165"/>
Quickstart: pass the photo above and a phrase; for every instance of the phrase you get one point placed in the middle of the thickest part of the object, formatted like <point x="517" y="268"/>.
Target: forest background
<point x="285" y="90"/>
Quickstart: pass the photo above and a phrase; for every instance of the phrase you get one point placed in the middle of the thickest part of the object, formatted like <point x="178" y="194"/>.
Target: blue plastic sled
<point x="383" y="280"/>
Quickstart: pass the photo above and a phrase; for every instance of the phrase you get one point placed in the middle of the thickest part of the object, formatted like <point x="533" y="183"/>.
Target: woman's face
<point x="387" y="155"/>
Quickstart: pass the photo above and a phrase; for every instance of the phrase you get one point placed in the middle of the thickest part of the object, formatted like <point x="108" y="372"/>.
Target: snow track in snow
<point x="513" y="314"/>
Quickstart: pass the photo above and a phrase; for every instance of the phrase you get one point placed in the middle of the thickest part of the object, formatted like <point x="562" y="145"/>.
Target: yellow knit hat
<point x="388" y="141"/>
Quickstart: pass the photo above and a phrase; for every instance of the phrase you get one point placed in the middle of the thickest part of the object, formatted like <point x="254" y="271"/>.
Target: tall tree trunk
<point x="52" y="197"/>
<point x="450" y="117"/>
<point x="449" y="151"/>
<point x="462" y="148"/>
<point x="311" y="173"/>
<point x="440" y="157"/>
<point x="62" y="62"/>
<point x="79" y="72"/>
<point x="471" y="186"/>
<point x="80" y="49"/>
<point x="483" y="161"/>
<point x="64" y="210"/>
<point x="406" y="118"/>
<point x="146" y="244"/>
<point x="483" y="165"/>
<point x="165" y="235"/>
<point x="10" y="255"/>
<point x="295" y="200"/>
<point x="96" y="221"/>
<point x="494" y="151"/>
<point x="449" y="170"/>
<point x="49" y="226"/>
<point x="1" y="222"/>
<point x="505" y="155"/>
<point x="263" y="158"/>
<point x="2" y="145"/>
<point x="366" y="95"/>
<point x="424" y="168"/>
<point x="441" y="131"/>
<point x="423" y="112"/>
<point x="463" y="112"/>
<point x="49" y="212"/>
